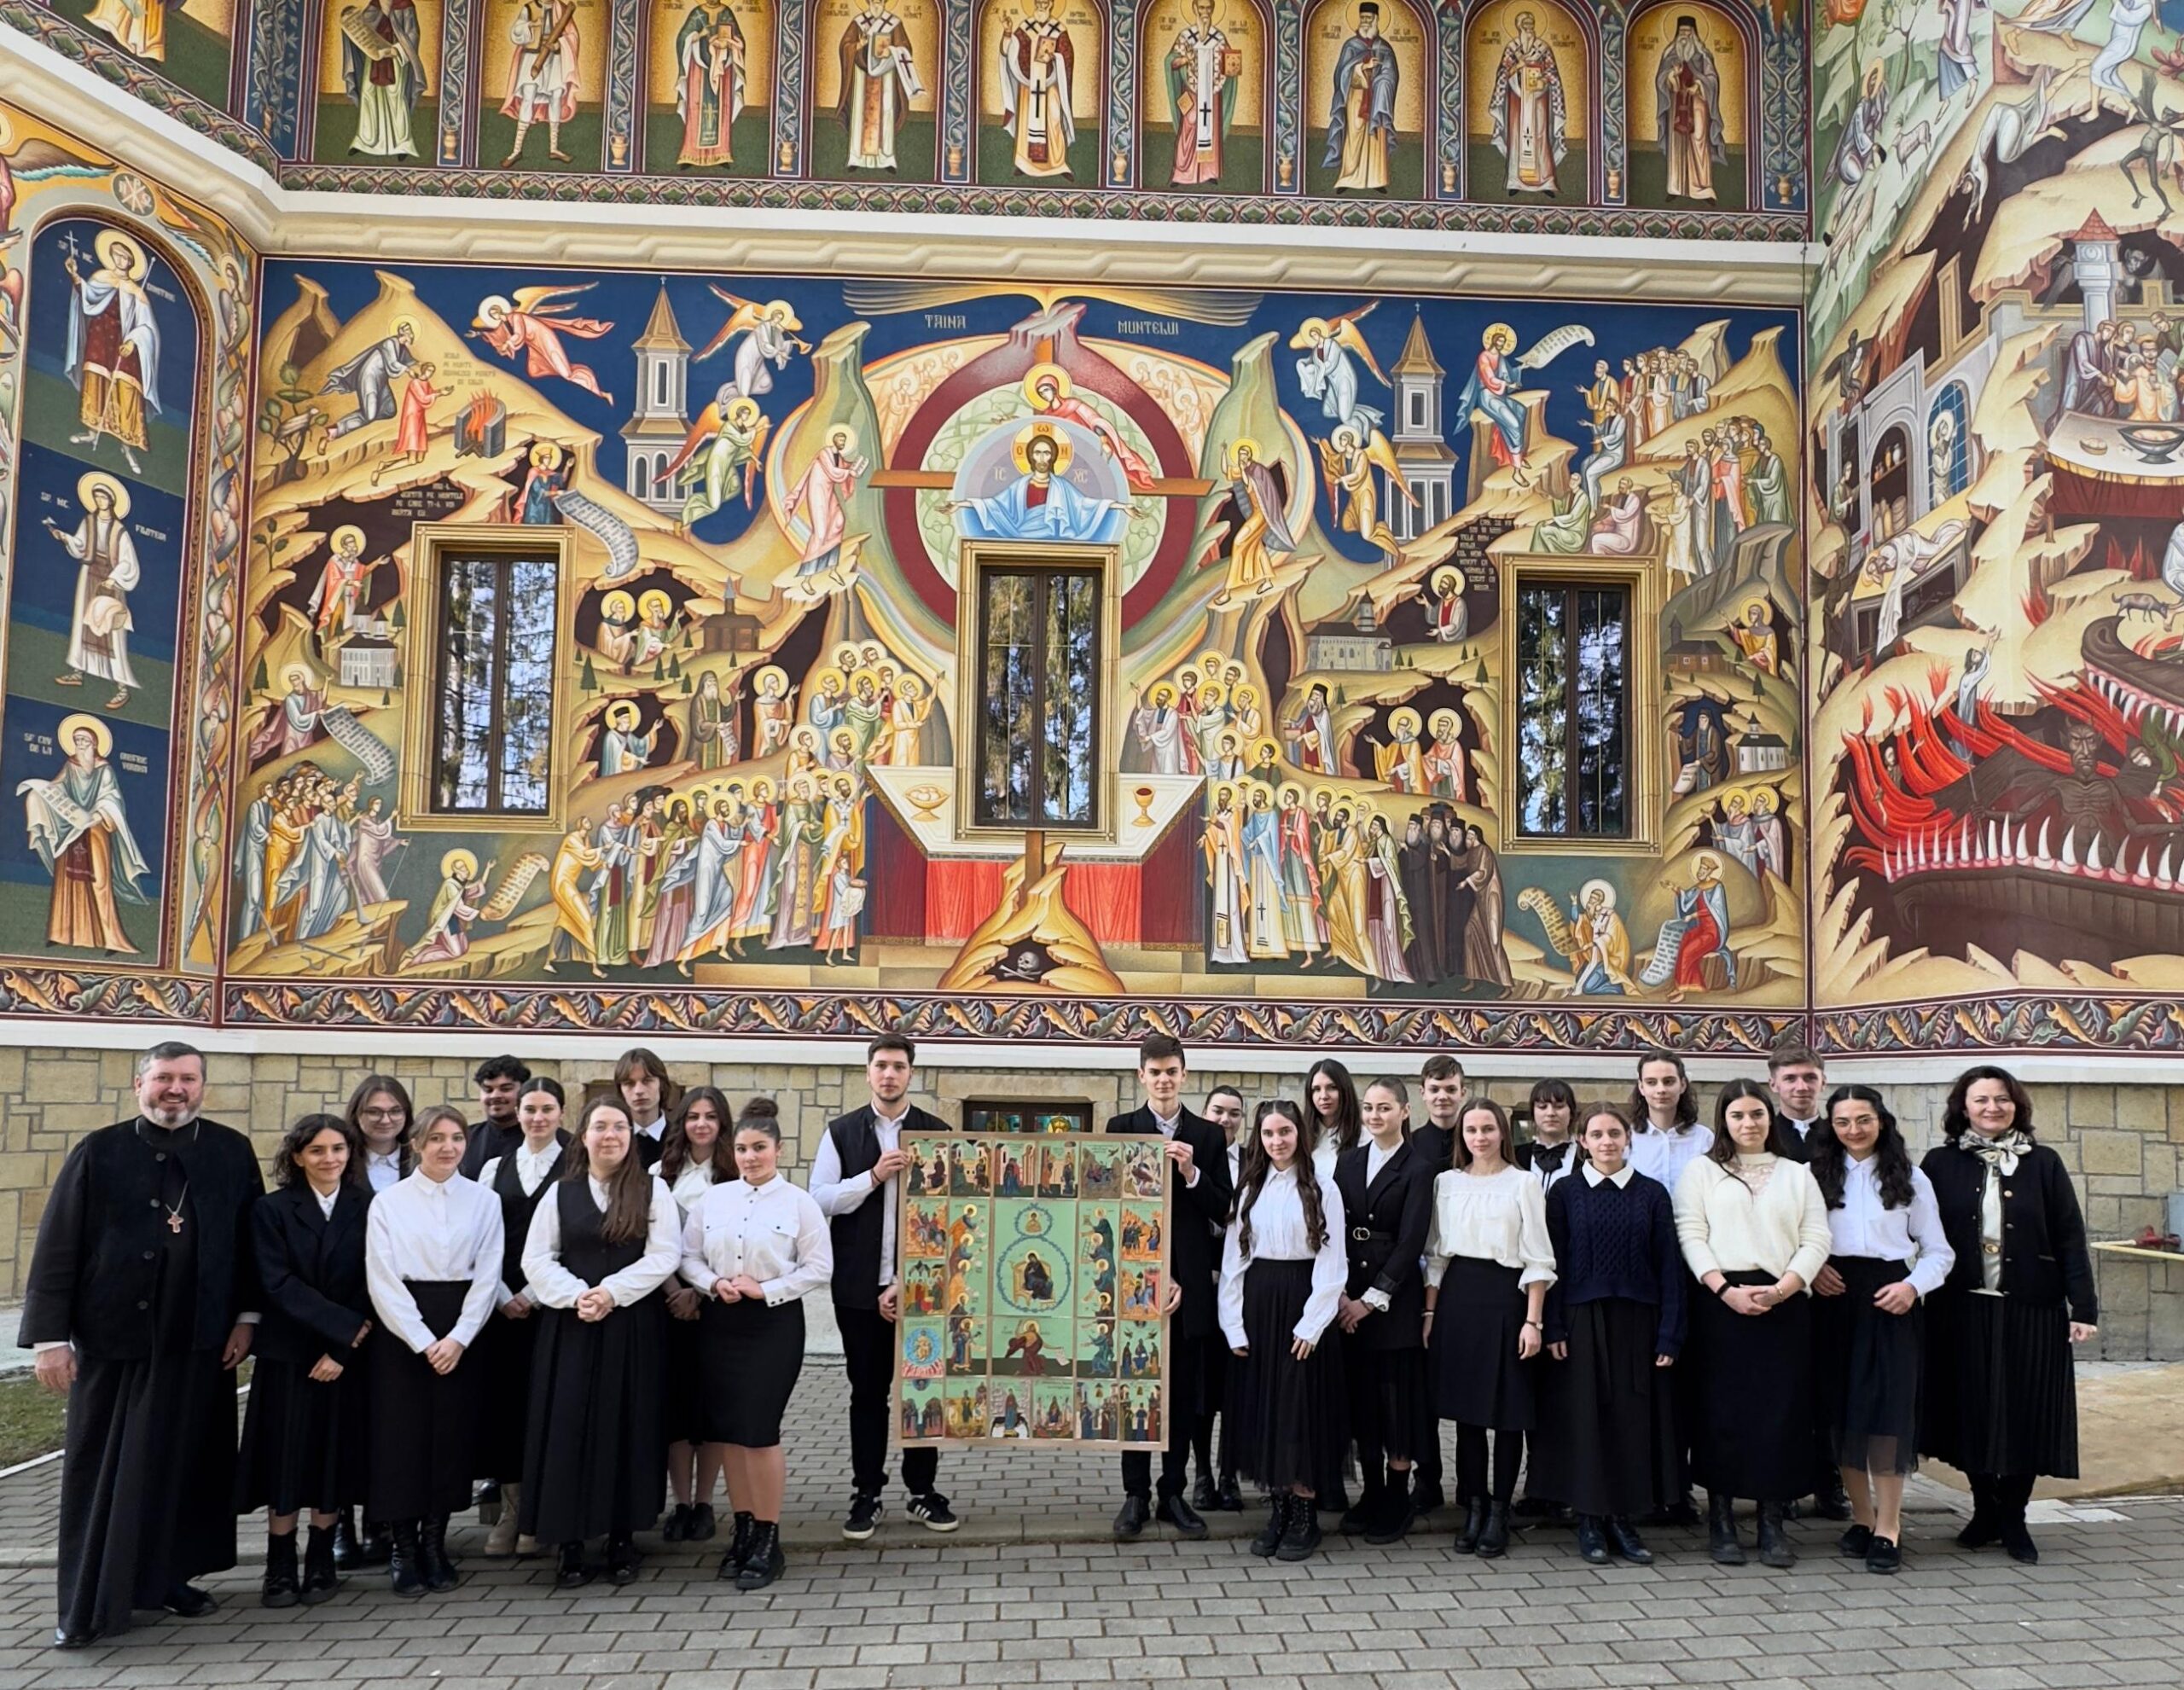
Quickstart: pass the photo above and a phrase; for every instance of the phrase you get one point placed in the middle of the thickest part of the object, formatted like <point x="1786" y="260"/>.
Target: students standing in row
<point x="1282" y="1268"/>
<point x="1387" y="1208"/>
<point x="753" y="1247"/>
<point x="1224" y="1107"/>
<point x="1887" y="1253"/>
<point x="1198" y="1195"/>
<point x="854" y="1177"/>
<point x="1754" y="1233"/>
<point x="2002" y="1404"/>
<point x="695" y="1154"/>
<point x="433" y="1263"/>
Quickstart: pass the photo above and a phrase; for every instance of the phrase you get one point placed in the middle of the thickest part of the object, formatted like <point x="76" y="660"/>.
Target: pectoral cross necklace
<point x="174" y="1209"/>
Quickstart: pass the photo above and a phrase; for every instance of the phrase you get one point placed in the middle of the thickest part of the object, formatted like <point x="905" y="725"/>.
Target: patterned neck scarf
<point x="2001" y="1152"/>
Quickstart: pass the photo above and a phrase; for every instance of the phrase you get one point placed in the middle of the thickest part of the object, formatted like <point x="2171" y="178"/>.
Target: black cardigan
<point x="2044" y="1255"/>
<point x="1395" y="1213"/>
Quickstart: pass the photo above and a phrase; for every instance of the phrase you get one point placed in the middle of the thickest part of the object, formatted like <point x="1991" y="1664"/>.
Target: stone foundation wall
<point x="2122" y="1143"/>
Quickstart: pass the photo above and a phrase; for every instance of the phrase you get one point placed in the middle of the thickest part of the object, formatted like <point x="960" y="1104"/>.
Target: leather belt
<point x="1359" y="1235"/>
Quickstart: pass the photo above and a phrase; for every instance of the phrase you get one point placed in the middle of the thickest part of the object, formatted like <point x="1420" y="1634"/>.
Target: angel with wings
<point x="534" y="325"/>
<point x="731" y="433"/>
<point x="1347" y="468"/>
<point x="769" y="337"/>
<point x="1326" y="373"/>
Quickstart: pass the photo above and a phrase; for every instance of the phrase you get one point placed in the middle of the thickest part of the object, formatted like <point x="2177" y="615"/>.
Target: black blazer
<point x="1192" y="1256"/>
<point x="313" y="1268"/>
<point x="1791" y="1145"/>
<point x="1436" y="1148"/>
<point x="1393" y="1213"/>
<point x="2044" y="1255"/>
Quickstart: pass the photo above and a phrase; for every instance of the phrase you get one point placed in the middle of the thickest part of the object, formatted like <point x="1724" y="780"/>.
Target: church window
<point x="1039" y="730"/>
<point x="1573" y="676"/>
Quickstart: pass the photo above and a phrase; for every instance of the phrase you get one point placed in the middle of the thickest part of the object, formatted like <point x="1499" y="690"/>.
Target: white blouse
<point x="1665" y="1156"/>
<point x="1494" y="1217"/>
<point x="532" y="1166"/>
<point x="551" y="1286"/>
<point x="1726" y="1227"/>
<point x="775" y="1233"/>
<point x="430" y="1229"/>
<point x="691" y="1186"/>
<point x="383" y="1173"/>
<point x="1279" y="1235"/>
<point x="1863" y="1227"/>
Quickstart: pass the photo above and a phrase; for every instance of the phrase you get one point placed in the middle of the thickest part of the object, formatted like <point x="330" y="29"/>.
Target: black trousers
<point x="1471" y="1463"/>
<point x="1202" y="1434"/>
<point x="868" y="1349"/>
<point x="1186" y="1372"/>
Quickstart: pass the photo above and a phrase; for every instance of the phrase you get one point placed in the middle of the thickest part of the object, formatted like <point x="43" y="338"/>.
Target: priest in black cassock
<point x="139" y="1306"/>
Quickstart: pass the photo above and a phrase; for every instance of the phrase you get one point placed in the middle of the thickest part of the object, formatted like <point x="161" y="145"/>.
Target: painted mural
<point x="122" y="313"/>
<point x="1453" y="652"/>
<point x="2000" y="521"/>
<point x="378" y="82"/>
<point x="190" y="43"/>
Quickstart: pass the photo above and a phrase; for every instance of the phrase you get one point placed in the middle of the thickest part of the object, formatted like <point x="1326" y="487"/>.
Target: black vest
<point x="584" y="1252"/>
<point x="516" y="1210"/>
<point x="857" y="1235"/>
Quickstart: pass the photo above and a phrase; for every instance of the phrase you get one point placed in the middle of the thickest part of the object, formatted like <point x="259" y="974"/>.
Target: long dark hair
<point x="629" y="1187"/>
<point x="1349" y="1119"/>
<point x="369" y="1087"/>
<point x="286" y="1171"/>
<point x="1891" y="1156"/>
<point x="1723" y="1149"/>
<point x="675" y="1142"/>
<point x="1687" y="1107"/>
<point x="1956" y="1120"/>
<point x="1257" y="1165"/>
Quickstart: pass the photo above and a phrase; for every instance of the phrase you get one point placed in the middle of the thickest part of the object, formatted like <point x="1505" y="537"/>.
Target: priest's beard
<point x="172" y="1117"/>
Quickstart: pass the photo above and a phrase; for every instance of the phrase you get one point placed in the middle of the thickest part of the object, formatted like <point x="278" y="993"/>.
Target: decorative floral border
<point x="85" y="994"/>
<point x="2091" y="1024"/>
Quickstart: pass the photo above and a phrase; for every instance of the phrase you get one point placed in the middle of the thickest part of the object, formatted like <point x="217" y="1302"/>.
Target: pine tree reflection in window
<point x="1572" y="710"/>
<point x="493" y="751"/>
<point x="1038" y="730"/>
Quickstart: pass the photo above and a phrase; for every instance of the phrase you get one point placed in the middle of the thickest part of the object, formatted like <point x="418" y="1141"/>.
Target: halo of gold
<point x="1502" y="332"/>
<point x="1210" y="693"/>
<point x="458" y="864"/>
<point x="1766" y="792"/>
<point x="845" y="657"/>
<point x="1443" y="718"/>
<point x="1021" y="450"/>
<point x="491" y="310"/>
<point x="1406" y="717"/>
<point x="1041" y="372"/>
<point x="1585" y="894"/>
<point x="346" y="531"/>
<point x="743" y="410"/>
<point x="617" y="607"/>
<point x="903" y="683"/>
<point x="759" y="680"/>
<point x="1162" y="692"/>
<point x="1302" y="337"/>
<point x="841" y="437"/>
<point x="107" y="241"/>
<point x="654" y="596"/>
<point x="1760" y="605"/>
<point x="102" y="735"/>
<point x="1259" y="789"/>
<point x="546" y="455"/>
<point x="1735" y="795"/>
<point x="782" y="312"/>
<point x="1266" y="751"/>
<point x="1211" y="662"/>
<point x="620" y="711"/>
<point x="1288" y="786"/>
<point x="1446" y="576"/>
<point x="819" y="680"/>
<point x="115" y="490"/>
<point x="762" y="791"/>
<point x="1236" y="449"/>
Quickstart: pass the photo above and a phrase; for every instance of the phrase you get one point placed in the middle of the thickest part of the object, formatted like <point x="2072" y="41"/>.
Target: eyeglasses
<point x="394" y="1114"/>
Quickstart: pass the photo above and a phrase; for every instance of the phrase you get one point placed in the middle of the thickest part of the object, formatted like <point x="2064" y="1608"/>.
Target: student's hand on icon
<point x="1174" y="1300"/>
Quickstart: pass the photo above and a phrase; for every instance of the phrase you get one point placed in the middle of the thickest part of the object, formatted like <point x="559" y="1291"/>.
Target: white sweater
<point x="1724" y="1227"/>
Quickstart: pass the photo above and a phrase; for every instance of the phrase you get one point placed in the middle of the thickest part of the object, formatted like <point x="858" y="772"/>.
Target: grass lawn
<point x="30" y="1419"/>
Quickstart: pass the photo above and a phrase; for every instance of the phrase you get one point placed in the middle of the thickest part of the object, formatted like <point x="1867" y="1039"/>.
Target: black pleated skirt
<point x="1478" y="1378"/>
<point x="682" y="1385"/>
<point x="1288" y="1418"/>
<point x="1609" y="1440"/>
<point x="2000" y="1394"/>
<point x="426" y="1428"/>
<point x="749" y="1356"/>
<point x="1867" y="1366"/>
<point x="505" y="1347"/>
<point x="304" y="1442"/>
<point x="1388" y="1397"/>
<point x="594" y="1455"/>
<point x="1752" y="1432"/>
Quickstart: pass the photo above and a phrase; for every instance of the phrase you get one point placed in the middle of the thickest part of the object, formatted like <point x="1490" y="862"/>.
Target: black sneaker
<point x="931" y="1512"/>
<point x="865" y="1511"/>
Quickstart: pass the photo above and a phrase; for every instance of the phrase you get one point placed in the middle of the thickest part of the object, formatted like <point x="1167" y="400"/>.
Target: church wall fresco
<point x="751" y="792"/>
<point x="124" y="326"/>
<point x="1992" y="423"/>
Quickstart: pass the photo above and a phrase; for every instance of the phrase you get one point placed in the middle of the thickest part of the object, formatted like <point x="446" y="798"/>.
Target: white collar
<point x="658" y="1130"/>
<point x="880" y="1119"/>
<point x="1619" y="1178"/>
<point x="383" y="1158"/>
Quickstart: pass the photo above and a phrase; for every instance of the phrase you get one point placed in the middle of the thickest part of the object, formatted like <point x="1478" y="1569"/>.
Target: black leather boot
<point x="766" y="1563"/>
<point x="1303" y="1535"/>
<point x="1495" y="1539"/>
<point x="376" y="1548"/>
<point x="1391" y="1516"/>
<point x="1984" y="1527"/>
<point x="432" y="1553"/>
<point x="320" y="1579"/>
<point x="739" y="1545"/>
<point x="1722" y="1530"/>
<point x="1776" y="1549"/>
<point x="1592" y="1541"/>
<point x="279" y="1590"/>
<point x="1623" y="1537"/>
<point x="622" y="1558"/>
<point x="1277" y="1524"/>
<point x="347" y="1549"/>
<point x="407" y="1571"/>
<point x="1468" y="1534"/>
<point x="1367" y="1510"/>
<point x="2011" y="1496"/>
<point x="571" y="1572"/>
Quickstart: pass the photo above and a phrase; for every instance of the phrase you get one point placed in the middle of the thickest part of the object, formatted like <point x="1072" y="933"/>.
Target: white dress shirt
<point x="383" y="1173"/>
<point x="1665" y="1156"/>
<point x="1862" y="1226"/>
<point x="691" y="1186"/>
<point x="1493" y="1217"/>
<point x="772" y="1232"/>
<point x="837" y="1196"/>
<point x="1170" y="1125"/>
<point x="327" y="1200"/>
<point x="1375" y="1158"/>
<point x="1279" y="1235"/>
<point x="532" y="1166"/>
<point x="431" y="1229"/>
<point x="552" y="1286"/>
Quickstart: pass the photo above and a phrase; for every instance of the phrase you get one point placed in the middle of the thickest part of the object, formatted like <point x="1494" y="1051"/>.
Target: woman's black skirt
<point x="1609" y="1441"/>
<point x="1287" y="1418"/>
<point x="595" y="1459"/>
<point x="750" y="1356"/>
<point x="1868" y="1363"/>
<point x="2001" y="1396"/>
<point x="1389" y="1415"/>
<point x="426" y="1426"/>
<point x="1752" y="1432"/>
<point x="304" y="1442"/>
<point x="682" y="1387"/>
<point x="1478" y="1378"/>
<point x="505" y="1347"/>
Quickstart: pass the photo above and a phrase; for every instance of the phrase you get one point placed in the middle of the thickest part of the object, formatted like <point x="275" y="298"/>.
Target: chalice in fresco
<point x="2154" y="442"/>
<point x="1144" y="797"/>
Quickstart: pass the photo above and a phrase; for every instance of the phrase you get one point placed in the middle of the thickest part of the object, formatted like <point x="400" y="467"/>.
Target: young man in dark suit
<point x="854" y="1181"/>
<point x="1442" y="1085"/>
<point x="1200" y="1193"/>
<point x="496" y="1132"/>
<point x="1798" y="1079"/>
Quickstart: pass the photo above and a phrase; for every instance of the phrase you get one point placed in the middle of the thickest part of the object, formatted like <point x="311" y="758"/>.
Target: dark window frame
<point x="984" y="813"/>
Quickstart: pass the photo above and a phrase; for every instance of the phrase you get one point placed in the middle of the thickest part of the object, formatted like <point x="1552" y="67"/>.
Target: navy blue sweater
<point x="1611" y="1242"/>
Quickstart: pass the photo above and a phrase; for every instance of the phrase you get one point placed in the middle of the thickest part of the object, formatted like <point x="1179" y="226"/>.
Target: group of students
<point x="588" y="1312"/>
<point x="1778" y="1307"/>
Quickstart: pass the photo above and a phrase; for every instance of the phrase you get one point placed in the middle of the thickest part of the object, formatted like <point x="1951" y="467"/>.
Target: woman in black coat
<point x="2001" y="1397"/>
<point x="304" y="1432"/>
<point x="1387" y="1205"/>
